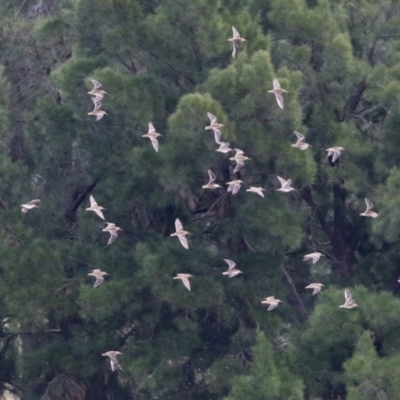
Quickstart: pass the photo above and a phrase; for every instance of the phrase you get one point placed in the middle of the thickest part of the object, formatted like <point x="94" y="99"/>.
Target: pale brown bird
<point x="232" y="270"/>
<point x="180" y="233"/>
<point x="240" y="158"/>
<point x="30" y="205"/>
<point x="286" y="185"/>
<point x="334" y="153"/>
<point x="215" y="126"/>
<point x="313" y="256"/>
<point x="258" y="190"/>
<point x="234" y="186"/>
<point x="368" y="212"/>
<point x="97" y="88"/>
<point x="95" y="207"/>
<point x="211" y="184"/>
<point x="185" y="279"/>
<point x="236" y="41"/>
<point x="224" y="147"/>
<point x="349" y="302"/>
<point x="278" y="91"/>
<point x="300" y="144"/>
<point x="152" y="135"/>
<point x="112" y="355"/>
<point x="112" y="230"/>
<point x="99" y="275"/>
<point x="316" y="287"/>
<point x="272" y="301"/>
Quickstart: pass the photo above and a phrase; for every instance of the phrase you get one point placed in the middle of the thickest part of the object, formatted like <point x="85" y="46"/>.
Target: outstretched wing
<point x="212" y="117"/>
<point x="239" y="166"/>
<point x="186" y="282"/>
<point x="154" y="142"/>
<point x="178" y="225"/>
<point x="212" y="176"/>
<point x="282" y="181"/>
<point x="288" y="183"/>
<point x="97" y="85"/>
<point x="184" y="242"/>
<point x="235" y="188"/>
<point x="36" y="201"/>
<point x="151" y="128"/>
<point x="347" y="295"/>
<point x="235" y="33"/>
<point x="276" y="84"/>
<point x="279" y="99"/>
<point x="99" y="281"/>
<point x="300" y="137"/>
<point x="231" y="264"/>
<point x="369" y="203"/>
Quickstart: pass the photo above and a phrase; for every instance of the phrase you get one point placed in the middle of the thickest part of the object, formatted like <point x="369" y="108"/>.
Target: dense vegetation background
<point x="169" y="62"/>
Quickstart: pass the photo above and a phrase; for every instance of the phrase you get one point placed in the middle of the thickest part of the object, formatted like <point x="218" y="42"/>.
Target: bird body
<point x="368" y="212"/>
<point x="272" y="302"/>
<point x="234" y="186"/>
<point x="99" y="275"/>
<point x="211" y="184"/>
<point x="181" y="234"/>
<point x="286" y="185"/>
<point x="215" y="126"/>
<point x="152" y="135"/>
<point x="316" y="287"/>
<point x="236" y="41"/>
<point x="112" y="230"/>
<point x="334" y="152"/>
<point x="30" y="205"/>
<point x="258" y="190"/>
<point x="95" y="207"/>
<point x="313" y="256"/>
<point x="185" y="279"/>
<point x="240" y="158"/>
<point x="278" y="92"/>
<point x="232" y="270"/>
<point x="300" y="144"/>
<point x="112" y="355"/>
<point x="224" y="147"/>
<point x="349" y="302"/>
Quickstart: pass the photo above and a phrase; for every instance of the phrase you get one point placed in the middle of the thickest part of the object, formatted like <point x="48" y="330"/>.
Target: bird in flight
<point x="215" y="126"/>
<point x="112" y="355"/>
<point x="278" y="92"/>
<point x="236" y="41"/>
<point x="153" y="135"/>
<point x="334" y="153"/>
<point x="300" y="144"/>
<point x="211" y="184"/>
<point x="240" y="158"/>
<point x="224" y="147"/>
<point x="272" y="301"/>
<point x="312" y="256"/>
<point x="30" y="205"/>
<point x="180" y="233"/>
<point x="95" y="207"/>
<point x="112" y="230"/>
<point x="232" y="270"/>
<point x="368" y="212"/>
<point x="286" y="185"/>
<point x="185" y="279"/>
<point x="99" y="275"/>
<point x="316" y="287"/>
<point x="234" y="186"/>
<point x="258" y="190"/>
<point x="349" y="302"/>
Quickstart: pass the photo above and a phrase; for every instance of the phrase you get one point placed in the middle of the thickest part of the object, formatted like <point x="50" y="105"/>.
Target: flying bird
<point x="368" y="212"/>
<point x="236" y="41"/>
<point x="99" y="275"/>
<point x="313" y="256"/>
<point x="258" y="190"/>
<point x="97" y="112"/>
<point x="185" y="279"/>
<point x="278" y="91"/>
<point x="112" y="355"/>
<point x="153" y="135"/>
<point x="181" y="234"/>
<point x="30" y="205"/>
<point x="286" y="185"/>
<point x="232" y="270"/>
<point x="95" y="207"/>
<point x="240" y="158"/>
<point x="97" y="88"/>
<point x="316" y="287"/>
<point x="234" y="186"/>
<point x="224" y="147"/>
<point x="349" y="302"/>
<point x="215" y="126"/>
<point x="272" y="302"/>
<point x="334" y="153"/>
<point x="300" y="144"/>
<point x="211" y="184"/>
<point x="112" y="230"/>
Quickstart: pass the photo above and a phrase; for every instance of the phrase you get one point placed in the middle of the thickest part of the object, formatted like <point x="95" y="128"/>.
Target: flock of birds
<point x="233" y="187"/>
